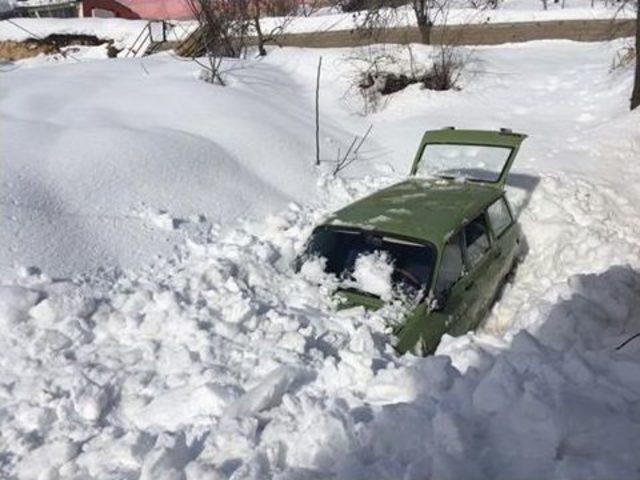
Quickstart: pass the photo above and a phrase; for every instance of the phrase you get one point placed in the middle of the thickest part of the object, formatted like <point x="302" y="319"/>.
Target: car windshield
<point x="474" y="162"/>
<point x="412" y="262"/>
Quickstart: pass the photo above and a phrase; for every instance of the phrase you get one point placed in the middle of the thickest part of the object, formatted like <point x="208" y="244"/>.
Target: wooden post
<point x="635" y="95"/>
<point x="318" y="112"/>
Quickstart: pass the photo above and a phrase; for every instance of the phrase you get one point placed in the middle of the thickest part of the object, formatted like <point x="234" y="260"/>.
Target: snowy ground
<point x="460" y="12"/>
<point x="125" y="32"/>
<point x="220" y="361"/>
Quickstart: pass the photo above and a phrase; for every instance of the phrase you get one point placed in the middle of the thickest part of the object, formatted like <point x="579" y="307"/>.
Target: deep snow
<point x="220" y="361"/>
<point x="460" y="12"/>
<point x="91" y="191"/>
<point x="125" y="32"/>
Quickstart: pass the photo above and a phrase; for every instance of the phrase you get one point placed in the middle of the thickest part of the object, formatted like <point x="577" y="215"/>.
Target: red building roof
<point x="158" y="9"/>
<point x="148" y="9"/>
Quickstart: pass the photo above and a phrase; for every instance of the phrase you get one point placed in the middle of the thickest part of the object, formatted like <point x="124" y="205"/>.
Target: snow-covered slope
<point x="221" y="362"/>
<point x="100" y="150"/>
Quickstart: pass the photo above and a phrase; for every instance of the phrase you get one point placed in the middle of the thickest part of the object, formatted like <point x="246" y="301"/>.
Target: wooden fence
<point x="474" y="34"/>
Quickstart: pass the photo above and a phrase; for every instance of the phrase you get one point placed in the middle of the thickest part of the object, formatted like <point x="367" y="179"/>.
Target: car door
<point x="451" y="285"/>
<point x="506" y="238"/>
<point x="426" y="324"/>
<point x="478" y="255"/>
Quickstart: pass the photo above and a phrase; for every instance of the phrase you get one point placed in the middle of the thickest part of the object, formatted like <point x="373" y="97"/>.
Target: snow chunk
<point x="313" y="269"/>
<point x="44" y="313"/>
<point x="498" y="388"/>
<point x="268" y="393"/>
<point x="184" y="405"/>
<point x="372" y="274"/>
<point x="162" y="220"/>
<point x="90" y="401"/>
<point x="44" y="462"/>
<point x="15" y="302"/>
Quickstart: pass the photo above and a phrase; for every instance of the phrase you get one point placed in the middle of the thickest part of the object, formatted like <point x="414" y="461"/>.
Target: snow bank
<point x="510" y="12"/>
<point x="227" y="363"/>
<point x="134" y="155"/>
<point x="128" y="162"/>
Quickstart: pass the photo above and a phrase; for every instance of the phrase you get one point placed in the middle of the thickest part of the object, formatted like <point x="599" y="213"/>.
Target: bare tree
<point x="381" y="69"/>
<point x="256" y="15"/>
<point x="631" y="53"/>
<point x="383" y="14"/>
<point x="425" y="12"/>
<point x="351" y="156"/>
<point x="283" y="9"/>
<point x="309" y="7"/>
<point x="484" y="4"/>
<point x="223" y="26"/>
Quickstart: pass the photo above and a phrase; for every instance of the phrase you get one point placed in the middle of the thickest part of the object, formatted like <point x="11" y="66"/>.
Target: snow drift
<point x="102" y="175"/>
<point x="153" y="376"/>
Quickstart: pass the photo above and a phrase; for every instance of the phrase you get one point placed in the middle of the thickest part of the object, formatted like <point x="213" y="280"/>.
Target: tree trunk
<point x="423" y="20"/>
<point x="256" y="23"/>
<point x="635" y="95"/>
<point x="425" y="34"/>
<point x="261" y="50"/>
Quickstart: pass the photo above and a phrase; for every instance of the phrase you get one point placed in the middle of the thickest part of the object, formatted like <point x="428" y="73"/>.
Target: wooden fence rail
<point x="473" y="34"/>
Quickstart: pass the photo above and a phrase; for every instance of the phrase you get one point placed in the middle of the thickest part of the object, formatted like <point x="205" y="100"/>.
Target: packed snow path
<point x="221" y="362"/>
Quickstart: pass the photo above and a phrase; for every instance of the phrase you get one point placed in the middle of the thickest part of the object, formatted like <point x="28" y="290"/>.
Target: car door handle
<point x="469" y="286"/>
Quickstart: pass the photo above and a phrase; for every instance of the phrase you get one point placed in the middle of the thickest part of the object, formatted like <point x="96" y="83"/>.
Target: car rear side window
<point x="477" y="240"/>
<point x="451" y="265"/>
<point x="499" y="216"/>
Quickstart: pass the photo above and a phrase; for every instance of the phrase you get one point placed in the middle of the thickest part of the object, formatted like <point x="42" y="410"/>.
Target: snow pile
<point x="127" y="163"/>
<point x="372" y="274"/>
<point x="226" y="363"/>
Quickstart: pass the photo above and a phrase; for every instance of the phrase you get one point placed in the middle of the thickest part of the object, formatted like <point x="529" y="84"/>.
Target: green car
<point x="448" y="232"/>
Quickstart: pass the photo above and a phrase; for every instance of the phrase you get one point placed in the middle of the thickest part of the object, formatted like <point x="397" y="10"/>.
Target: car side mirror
<point x="439" y="301"/>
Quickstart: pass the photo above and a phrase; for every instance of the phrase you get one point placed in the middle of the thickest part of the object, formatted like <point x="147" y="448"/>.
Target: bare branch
<point x="352" y="152"/>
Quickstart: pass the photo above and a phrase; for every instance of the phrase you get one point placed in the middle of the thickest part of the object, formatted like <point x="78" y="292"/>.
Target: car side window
<point x="451" y="266"/>
<point x="476" y="240"/>
<point x="499" y="216"/>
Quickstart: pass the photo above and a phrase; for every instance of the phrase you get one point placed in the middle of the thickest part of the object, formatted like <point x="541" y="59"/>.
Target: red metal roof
<point x="158" y="9"/>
